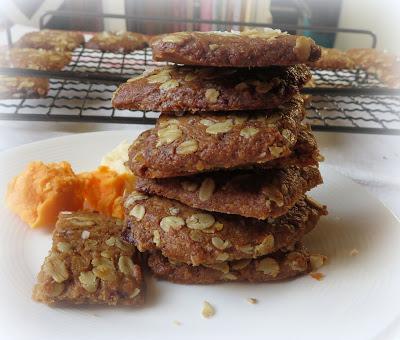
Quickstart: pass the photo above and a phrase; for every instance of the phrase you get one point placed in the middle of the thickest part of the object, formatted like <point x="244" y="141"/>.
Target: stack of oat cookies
<point x="222" y="176"/>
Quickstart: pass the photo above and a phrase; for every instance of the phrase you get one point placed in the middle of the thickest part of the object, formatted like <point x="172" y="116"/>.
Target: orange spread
<point x="103" y="190"/>
<point x="39" y="193"/>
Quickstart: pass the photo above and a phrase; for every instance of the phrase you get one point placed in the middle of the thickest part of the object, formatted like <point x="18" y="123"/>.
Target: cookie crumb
<point x="176" y="322"/>
<point x="317" y="276"/>
<point x="208" y="311"/>
<point x="252" y="301"/>
<point x="354" y="252"/>
<point x="317" y="261"/>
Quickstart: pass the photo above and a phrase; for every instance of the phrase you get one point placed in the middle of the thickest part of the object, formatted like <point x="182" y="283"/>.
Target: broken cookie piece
<point x="89" y="264"/>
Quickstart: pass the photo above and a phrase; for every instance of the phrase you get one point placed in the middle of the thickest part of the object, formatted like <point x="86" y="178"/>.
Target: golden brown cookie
<point x="390" y="76"/>
<point x="196" y="237"/>
<point x="304" y="153"/>
<point x="89" y="263"/>
<point x="58" y="40"/>
<point x="4" y="57"/>
<point x="119" y="42"/>
<point x="178" y="89"/>
<point x="277" y="266"/>
<point x="370" y="59"/>
<point x="23" y="87"/>
<point x="36" y="59"/>
<point x="196" y="143"/>
<point x="333" y="59"/>
<point x="147" y="164"/>
<point x="234" y="49"/>
<point x="385" y="65"/>
<point x="39" y="59"/>
<point x="258" y="194"/>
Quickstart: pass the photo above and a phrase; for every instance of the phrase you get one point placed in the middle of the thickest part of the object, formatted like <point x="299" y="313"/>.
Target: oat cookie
<point x="39" y="59"/>
<point x="250" y="193"/>
<point x="58" y="40"/>
<point x="277" y="266"/>
<point x="89" y="263"/>
<point x="304" y="153"/>
<point x="23" y="87"/>
<point x="196" y="143"/>
<point x="235" y="49"/>
<point x="178" y="89"/>
<point x="29" y="87"/>
<point x="196" y="237"/>
<point x="370" y="59"/>
<point x="118" y="42"/>
<point x="333" y="59"/>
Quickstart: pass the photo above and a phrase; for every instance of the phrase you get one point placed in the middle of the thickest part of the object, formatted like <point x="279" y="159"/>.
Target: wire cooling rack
<point x="128" y="65"/>
<point x="70" y="100"/>
<point x="342" y="100"/>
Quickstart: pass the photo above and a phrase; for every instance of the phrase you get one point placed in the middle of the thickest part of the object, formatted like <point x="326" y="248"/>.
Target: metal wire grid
<point x="344" y="78"/>
<point x="367" y="114"/>
<point x="134" y="63"/>
<point x="127" y="65"/>
<point x="70" y="100"/>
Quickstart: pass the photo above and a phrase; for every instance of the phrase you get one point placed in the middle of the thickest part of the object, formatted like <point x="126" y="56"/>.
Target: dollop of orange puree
<point x="103" y="190"/>
<point x="40" y="192"/>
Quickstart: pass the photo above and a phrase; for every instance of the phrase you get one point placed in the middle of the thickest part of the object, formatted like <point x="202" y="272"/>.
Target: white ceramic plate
<point x="358" y="299"/>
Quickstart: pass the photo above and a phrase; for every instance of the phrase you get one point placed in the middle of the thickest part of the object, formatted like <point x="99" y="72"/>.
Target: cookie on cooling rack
<point x="52" y="40"/>
<point x="39" y="59"/>
<point x="258" y="194"/>
<point x="190" y="89"/>
<point x="36" y="59"/>
<point x="119" y="42"/>
<point x="194" y="236"/>
<point x="333" y="59"/>
<point x="23" y="87"/>
<point x="280" y="265"/>
<point x="235" y="49"/>
<point x="370" y="59"/>
<point x="89" y="263"/>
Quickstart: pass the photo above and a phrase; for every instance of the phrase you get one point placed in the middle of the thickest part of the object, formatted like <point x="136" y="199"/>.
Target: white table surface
<point x="371" y="160"/>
